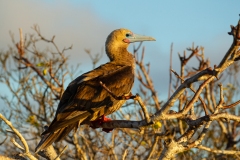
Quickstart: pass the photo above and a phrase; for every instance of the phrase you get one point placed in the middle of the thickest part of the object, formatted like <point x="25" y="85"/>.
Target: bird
<point x="85" y="99"/>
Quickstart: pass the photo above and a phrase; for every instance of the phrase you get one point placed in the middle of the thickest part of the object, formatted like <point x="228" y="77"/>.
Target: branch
<point x="231" y="105"/>
<point x="203" y="103"/>
<point x="120" y="124"/>
<point x="153" y="147"/>
<point x="27" y="153"/>
<point x="217" y="151"/>
<point x="209" y="74"/>
<point x="49" y="153"/>
<point x="58" y="157"/>
<point x="170" y="73"/>
<point x="16" y="144"/>
<point x="149" y="83"/>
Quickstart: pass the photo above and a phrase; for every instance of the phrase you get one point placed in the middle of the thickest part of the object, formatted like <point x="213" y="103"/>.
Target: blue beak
<point x="139" y="38"/>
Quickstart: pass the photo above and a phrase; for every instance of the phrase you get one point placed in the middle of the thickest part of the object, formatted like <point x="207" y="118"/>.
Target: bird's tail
<point x="49" y="138"/>
<point x="59" y="129"/>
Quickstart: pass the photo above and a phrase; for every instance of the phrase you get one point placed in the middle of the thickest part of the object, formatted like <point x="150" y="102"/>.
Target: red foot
<point x="99" y="121"/>
<point x="105" y="119"/>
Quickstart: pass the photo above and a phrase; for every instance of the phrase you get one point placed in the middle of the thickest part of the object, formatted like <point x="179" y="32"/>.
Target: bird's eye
<point x="128" y="35"/>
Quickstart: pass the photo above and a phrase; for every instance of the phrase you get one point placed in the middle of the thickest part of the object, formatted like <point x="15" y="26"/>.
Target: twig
<point x="61" y="152"/>
<point x="16" y="132"/>
<point x="29" y="64"/>
<point x="16" y="144"/>
<point x="27" y="153"/>
<point x="170" y="74"/>
<point x="184" y="60"/>
<point x="231" y="105"/>
<point x="153" y="147"/>
<point x="144" y="109"/>
<point x="124" y="154"/>
<point x="21" y="45"/>
<point x="218" y="151"/>
<point x="149" y="82"/>
<point x="3" y="141"/>
<point x="53" y="75"/>
<point x="201" y="136"/>
<point x="136" y="49"/>
<point x="79" y="152"/>
<point x="202" y="101"/>
<point x="221" y="96"/>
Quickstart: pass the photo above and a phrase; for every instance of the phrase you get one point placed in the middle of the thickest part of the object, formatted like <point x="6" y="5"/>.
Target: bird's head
<point x="118" y="41"/>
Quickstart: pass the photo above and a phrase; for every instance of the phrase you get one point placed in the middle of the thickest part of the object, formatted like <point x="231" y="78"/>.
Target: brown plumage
<point x="85" y="99"/>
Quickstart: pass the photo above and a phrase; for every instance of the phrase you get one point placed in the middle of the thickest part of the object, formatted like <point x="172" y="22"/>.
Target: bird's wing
<point x="85" y="97"/>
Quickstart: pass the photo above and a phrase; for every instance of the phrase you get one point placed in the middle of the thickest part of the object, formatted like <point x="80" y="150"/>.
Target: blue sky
<point x="86" y="24"/>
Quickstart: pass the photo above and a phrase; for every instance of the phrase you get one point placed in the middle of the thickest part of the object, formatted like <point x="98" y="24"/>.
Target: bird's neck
<point x="120" y="55"/>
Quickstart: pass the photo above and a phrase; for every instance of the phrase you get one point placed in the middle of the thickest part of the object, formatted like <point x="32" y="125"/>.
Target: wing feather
<point x="86" y="100"/>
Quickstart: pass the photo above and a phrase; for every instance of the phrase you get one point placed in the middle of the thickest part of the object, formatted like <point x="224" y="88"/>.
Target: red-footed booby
<point x="85" y="99"/>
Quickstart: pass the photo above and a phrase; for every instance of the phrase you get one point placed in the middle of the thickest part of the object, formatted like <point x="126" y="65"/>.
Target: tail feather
<point x="65" y="132"/>
<point x="56" y="136"/>
<point x="58" y="124"/>
<point x="58" y="130"/>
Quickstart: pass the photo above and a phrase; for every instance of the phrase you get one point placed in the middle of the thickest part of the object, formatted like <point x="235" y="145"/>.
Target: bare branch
<point x="218" y="151"/>
<point x="27" y="153"/>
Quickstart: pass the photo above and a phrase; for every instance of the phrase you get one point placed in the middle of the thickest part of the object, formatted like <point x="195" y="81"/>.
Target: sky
<point x="86" y="24"/>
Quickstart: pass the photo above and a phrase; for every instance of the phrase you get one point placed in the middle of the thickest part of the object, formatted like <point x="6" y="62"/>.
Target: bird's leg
<point x="122" y="97"/>
<point x="101" y="120"/>
<point x="105" y="119"/>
